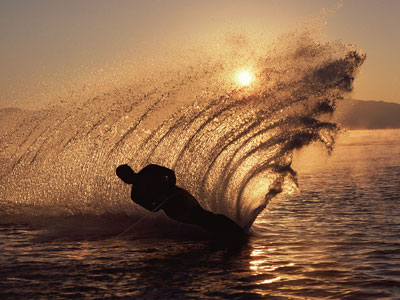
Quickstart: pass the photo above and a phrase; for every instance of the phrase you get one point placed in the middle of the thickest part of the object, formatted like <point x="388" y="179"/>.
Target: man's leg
<point x="217" y="224"/>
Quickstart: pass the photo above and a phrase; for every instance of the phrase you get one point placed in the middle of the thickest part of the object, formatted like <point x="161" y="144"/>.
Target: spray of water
<point x="230" y="146"/>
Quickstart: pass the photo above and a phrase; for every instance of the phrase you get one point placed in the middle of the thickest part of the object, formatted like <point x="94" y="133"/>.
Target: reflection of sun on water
<point x="244" y="77"/>
<point x="263" y="265"/>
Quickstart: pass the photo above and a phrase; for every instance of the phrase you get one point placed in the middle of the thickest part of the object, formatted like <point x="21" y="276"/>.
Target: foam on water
<point x="231" y="147"/>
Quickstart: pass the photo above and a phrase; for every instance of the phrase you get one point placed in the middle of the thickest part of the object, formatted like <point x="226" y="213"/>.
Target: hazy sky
<point x="49" y="41"/>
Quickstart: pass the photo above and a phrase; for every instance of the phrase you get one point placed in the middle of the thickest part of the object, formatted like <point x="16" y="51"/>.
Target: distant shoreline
<point x="360" y="114"/>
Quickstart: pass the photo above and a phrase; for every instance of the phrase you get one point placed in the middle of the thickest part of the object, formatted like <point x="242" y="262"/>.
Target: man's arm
<point x="150" y="204"/>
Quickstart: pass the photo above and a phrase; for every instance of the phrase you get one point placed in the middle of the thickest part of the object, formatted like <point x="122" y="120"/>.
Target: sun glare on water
<point x="244" y="77"/>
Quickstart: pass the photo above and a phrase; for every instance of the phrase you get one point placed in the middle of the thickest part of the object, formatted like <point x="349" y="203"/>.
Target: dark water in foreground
<point x="338" y="239"/>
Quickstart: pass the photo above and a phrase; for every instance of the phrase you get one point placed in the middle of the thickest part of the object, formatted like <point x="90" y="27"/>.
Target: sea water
<point x="319" y="227"/>
<point x="338" y="238"/>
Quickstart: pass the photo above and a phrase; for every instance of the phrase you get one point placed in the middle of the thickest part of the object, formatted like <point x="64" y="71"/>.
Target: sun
<point x="244" y="77"/>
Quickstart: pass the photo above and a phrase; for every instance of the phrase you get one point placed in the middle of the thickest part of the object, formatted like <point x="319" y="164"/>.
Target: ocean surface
<point x="338" y="238"/>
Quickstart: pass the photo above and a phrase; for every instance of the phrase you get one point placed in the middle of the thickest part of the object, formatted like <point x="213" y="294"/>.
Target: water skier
<point x="154" y="188"/>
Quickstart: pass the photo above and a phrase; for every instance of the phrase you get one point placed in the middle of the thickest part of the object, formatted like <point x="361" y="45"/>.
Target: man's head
<point x="126" y="174"/>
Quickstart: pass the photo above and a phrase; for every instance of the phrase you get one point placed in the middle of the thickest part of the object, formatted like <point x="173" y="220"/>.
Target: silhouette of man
<point x="154" y="188"/>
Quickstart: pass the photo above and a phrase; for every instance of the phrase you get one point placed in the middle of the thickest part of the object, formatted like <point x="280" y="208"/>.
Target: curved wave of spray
<point x="231" y="147"/>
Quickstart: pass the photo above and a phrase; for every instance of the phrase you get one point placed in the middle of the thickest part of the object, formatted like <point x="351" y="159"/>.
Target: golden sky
<point x="49" y="44"/>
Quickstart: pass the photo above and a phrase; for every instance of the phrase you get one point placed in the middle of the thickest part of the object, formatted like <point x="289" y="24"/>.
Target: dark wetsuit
<point x="152" y="185"/>
<point x="154" y="189"/>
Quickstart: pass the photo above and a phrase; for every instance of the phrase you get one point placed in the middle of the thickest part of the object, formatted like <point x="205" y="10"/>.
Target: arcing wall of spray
<point x="230" y="146"/>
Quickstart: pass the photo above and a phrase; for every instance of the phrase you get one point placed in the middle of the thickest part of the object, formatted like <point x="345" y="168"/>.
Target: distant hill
<point x="358" y="114"/>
